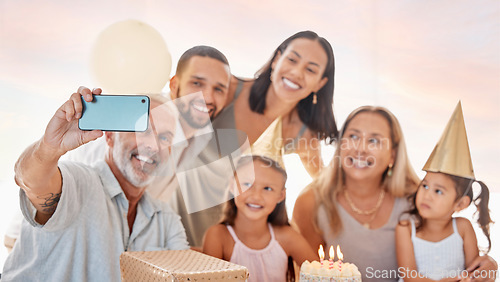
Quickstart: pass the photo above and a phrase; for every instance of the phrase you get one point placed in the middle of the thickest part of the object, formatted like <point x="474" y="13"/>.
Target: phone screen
<point x="115" y="113"/>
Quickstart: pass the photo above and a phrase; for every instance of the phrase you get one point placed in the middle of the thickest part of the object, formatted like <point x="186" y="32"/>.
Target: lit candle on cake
<point x="331" y="253"/>
<point x="337" y="271"/>
<point x="321" y="254"/>
<point x="341" y="257"/>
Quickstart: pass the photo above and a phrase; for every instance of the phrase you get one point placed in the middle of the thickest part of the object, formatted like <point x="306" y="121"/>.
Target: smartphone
<point x="129" y="113"/>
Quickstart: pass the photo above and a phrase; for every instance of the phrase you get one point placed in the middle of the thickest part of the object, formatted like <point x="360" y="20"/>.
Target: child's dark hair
<point x="463" y="187"/>
<point x="279" y="215"/>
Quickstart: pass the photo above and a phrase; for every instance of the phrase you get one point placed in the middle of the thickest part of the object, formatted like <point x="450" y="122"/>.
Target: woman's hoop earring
<point x="315" y="98"/>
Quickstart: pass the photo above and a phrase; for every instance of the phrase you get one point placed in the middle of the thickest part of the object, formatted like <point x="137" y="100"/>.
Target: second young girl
<point x="432" y="244"/>
<point x="254" y="231"/>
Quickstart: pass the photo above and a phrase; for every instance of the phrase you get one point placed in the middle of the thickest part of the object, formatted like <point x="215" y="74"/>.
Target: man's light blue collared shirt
<point x="84" y="238"/>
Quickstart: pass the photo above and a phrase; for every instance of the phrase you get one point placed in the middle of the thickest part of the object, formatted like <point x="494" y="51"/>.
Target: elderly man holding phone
<point x="199" y="89"/>
<point x="79" y="219"/>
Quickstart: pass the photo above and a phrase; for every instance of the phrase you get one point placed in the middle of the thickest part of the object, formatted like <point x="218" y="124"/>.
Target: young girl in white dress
<point x="254" y="231"/>
<point x="432" y="244"/>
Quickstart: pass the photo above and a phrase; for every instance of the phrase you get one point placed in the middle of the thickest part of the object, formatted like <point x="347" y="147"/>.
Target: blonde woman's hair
<point x="403" y="182"/>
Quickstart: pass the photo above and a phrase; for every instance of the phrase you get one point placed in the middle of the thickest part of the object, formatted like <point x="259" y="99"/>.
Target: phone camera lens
<point x="143" y="101"/>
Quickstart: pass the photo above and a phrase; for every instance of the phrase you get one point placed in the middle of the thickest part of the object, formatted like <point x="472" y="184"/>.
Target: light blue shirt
<point x="85" y="236"/>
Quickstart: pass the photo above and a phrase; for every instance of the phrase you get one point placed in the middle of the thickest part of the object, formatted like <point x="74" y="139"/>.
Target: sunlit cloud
<point x="409" y="57"/>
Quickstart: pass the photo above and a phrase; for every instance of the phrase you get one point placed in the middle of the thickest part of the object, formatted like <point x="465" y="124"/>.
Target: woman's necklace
<point x="372" y="212"/>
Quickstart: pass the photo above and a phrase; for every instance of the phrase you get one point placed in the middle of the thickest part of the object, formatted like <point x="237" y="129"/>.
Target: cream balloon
<point x="130" y="57"/>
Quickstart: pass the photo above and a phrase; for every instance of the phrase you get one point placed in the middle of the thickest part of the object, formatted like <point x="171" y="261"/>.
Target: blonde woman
<point x="357" y="201"/>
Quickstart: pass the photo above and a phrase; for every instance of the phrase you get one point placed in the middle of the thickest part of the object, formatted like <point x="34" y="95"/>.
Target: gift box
<point x="182" y="265"/>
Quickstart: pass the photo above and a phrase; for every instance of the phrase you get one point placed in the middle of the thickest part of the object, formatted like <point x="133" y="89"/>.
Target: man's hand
<point x="62" y="133"/>
<point x="37" y="170"/>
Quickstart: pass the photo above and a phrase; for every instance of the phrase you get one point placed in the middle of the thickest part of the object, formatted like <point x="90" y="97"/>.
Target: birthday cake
<point x="335" y="272"/>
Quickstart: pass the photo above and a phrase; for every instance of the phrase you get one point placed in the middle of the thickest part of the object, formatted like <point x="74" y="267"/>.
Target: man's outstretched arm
<point x="36" y="170"/>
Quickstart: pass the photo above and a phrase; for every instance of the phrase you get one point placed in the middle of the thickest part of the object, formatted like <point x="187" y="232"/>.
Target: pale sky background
<point x="417" y="58"/>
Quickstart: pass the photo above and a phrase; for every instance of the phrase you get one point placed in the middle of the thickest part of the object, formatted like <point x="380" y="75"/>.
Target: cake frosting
<point x="315" y="271"/>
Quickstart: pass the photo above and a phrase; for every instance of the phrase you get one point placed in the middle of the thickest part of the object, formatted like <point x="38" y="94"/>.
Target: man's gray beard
<point x="125" y="167"/>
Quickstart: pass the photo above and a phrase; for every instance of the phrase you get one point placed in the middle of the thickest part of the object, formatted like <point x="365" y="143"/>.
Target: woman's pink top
<point x="267" y="264"/>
